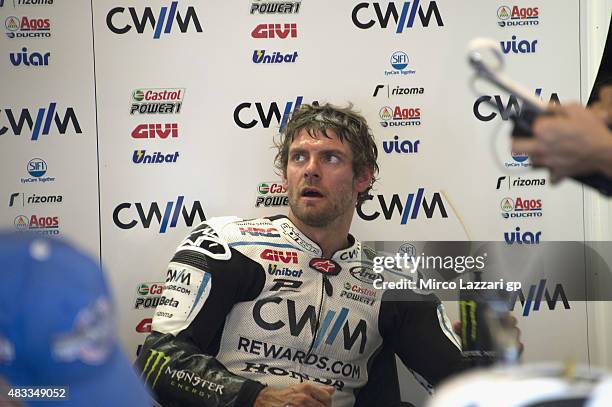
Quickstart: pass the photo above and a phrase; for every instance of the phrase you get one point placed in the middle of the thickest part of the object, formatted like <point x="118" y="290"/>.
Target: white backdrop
<point x="97" y="71"/>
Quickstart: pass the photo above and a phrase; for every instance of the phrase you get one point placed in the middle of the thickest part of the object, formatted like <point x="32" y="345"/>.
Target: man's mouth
<point x="311" y="193"/>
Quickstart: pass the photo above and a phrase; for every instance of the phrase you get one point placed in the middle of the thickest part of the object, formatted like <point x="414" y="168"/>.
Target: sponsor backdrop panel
<point x="190" y="97"/>
<point x="49" y="182"/>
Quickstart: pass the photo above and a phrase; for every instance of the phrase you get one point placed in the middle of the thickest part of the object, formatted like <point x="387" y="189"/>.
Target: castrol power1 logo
<point x="157" y="101"/>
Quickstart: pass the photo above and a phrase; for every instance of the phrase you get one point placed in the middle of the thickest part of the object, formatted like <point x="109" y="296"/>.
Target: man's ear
<point x="284" y="179"/>
<point x="364" y="179"/>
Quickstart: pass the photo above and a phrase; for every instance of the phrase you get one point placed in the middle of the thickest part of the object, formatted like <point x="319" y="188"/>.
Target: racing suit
<point x="251" y="302"/>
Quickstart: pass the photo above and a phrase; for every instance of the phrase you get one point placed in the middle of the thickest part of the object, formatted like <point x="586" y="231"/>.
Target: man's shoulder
<point x="215" y="236"/>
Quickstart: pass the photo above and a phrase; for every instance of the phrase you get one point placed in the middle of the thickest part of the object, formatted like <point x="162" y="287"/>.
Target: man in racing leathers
<point x="282" y="311"/>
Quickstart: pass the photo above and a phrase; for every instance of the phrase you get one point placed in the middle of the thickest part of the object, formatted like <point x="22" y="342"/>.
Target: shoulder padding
<point x="207" y="239"/>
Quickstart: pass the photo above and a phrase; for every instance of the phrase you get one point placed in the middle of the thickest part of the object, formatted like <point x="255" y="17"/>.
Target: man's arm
<point x="204" y="280"/>
<point x="417" y="328"/>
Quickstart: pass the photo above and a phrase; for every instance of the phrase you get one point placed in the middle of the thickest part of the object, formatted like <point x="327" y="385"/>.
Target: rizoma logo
<point x="33" y="59"/>
<point x="521" y="208"/>
<point x="33" y="199"/>
<point x="275" y="7"/>
<point x="25" y="27"/>
<point x="411" y="208"/>
<point x="509" y="17"/>
<point x="165" y="20"/>
<point x="508" y="110"/>
<point x="156" y="130"/>
<point x="399" y="116"/>
<point x="520" y="47"/>
<point x="287" y="30"/>
<point x="397" y="91"/>
<point x="405" y="18"/>
<point x="264" y="232"/>
<point x="28" y="3"/>
<point x="541" y="293"/>
<point x="152" y="101"/>
<point x="154" y="367"/>
<point x="276" y="57"/>
<point x="169" y="218"/>
<point x="522" y="238"/>
<point x="279" y="255"/>
<point x="141" y="157"/>
<point x="333" y="323"/>
<point x="271" y="194"/>
<point x="520" y="182"/>
<point x="45" y="117"/>
<point x="404" y="146"/>
<point x="266" y="117"/>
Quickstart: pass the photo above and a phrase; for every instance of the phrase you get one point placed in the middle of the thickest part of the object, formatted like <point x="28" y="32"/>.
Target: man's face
<point x="320" y="182"/>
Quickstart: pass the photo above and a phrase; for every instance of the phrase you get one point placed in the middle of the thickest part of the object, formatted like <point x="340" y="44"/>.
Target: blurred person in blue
<point x="57" y="329"/>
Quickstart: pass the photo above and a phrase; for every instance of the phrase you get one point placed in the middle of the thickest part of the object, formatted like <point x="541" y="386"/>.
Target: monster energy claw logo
<point x="154" y="361"/>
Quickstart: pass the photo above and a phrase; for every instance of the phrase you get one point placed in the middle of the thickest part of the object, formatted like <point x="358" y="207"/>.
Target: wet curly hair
<point x="349" y="125"/>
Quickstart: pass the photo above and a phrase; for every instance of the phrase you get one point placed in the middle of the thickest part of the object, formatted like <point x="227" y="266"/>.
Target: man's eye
<point x="332" y="158"/>
<point x="297" y="157"/>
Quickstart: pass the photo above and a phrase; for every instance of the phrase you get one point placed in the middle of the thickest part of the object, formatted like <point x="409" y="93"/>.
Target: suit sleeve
<point x="204" y="280"/>
<point x="420" y="333"/>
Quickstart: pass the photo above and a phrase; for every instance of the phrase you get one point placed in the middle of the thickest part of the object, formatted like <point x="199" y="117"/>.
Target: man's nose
<point x="312" y="168"/>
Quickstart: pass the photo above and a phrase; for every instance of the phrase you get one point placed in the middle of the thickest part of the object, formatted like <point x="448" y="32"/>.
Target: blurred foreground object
<point x="57" y="326"/>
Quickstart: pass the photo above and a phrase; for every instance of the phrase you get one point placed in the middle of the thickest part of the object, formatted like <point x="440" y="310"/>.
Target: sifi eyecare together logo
<point x="37" y="168"/>
<point x="399" y="62"/>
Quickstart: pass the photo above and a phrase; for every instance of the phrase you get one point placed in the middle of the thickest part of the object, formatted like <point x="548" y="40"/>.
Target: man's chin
<point x="312" y="216"/>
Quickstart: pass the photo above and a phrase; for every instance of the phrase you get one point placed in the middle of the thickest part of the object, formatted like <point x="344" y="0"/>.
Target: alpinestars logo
<point x="164" y="22"/>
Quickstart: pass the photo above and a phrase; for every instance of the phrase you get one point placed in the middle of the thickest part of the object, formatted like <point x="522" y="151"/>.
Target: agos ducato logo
<point x="162" y="22"/>
<point x="517" y="16"/>
<point x="521" y="208"/>
<point x="26" y="27"/>
<point x="400" y="116"/>
<point x="44" y="225"/>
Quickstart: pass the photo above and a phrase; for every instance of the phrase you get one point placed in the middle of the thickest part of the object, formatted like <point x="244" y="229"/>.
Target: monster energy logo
<point x="155" y="366"/>
<point x="468" y="322"/>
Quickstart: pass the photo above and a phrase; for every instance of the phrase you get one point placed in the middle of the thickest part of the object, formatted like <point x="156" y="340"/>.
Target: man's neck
<point x="330" y="238"/>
